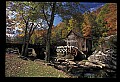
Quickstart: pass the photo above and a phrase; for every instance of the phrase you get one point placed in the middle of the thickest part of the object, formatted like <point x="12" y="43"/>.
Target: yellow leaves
<point x="72" y="23"/>
<point x="53" y="34"/>
<point x="104" y="34"/>
<point x="83" y="25"/>
<point x="21" y="35"/>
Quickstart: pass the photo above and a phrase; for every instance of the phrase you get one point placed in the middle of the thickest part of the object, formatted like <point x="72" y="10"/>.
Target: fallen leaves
<point x="17" y="67"/>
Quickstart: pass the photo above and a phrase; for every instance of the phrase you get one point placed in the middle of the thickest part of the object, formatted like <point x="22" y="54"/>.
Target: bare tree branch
<point x="33" y="30"/>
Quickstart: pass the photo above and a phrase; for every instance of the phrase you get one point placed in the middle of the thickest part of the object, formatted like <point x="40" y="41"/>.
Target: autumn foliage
<point x="107" y="14"/>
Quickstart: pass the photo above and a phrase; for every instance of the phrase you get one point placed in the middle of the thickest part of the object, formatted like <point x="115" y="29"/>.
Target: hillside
<point x="110" y="16"/>
<point x="105" y="15"/>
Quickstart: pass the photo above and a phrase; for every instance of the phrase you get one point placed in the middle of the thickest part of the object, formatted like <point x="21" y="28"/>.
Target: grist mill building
<point x="76" y="39"/>
<point x="77" y="47"/>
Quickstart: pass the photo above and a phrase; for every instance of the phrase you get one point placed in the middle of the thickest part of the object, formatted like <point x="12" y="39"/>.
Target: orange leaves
<point x="86" y="31"/>
<point x="39" y="33"/>
<point x="111" y="18"/>
<point x="21" y="35"/>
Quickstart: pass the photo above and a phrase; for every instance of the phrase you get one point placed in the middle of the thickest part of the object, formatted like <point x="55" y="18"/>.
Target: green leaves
<point x="68" y="9"/>
<point x="28" y="9"/>
<point x="101" y="15"/>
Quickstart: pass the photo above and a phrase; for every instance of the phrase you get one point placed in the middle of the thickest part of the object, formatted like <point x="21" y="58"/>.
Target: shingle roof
<point x="77" y="34"/>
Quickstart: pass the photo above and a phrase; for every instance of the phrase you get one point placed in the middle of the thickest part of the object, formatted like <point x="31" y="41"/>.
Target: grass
<point x="17" y="67"/>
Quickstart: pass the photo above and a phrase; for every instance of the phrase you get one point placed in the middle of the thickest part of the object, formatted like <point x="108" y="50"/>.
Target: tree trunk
<point x="23" y="49"/>
<point x="47" y="55"/>
<point x="27" y="39"/>
<point x="26" y="49"/>
<point x="24" y="41"/>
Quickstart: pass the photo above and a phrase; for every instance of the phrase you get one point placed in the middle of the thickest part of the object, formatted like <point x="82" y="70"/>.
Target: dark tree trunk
<point x="27" y="39"/>
<point x="26" y="49"/>
<point x="24" y="41"/>
<point x="47" y="55"/>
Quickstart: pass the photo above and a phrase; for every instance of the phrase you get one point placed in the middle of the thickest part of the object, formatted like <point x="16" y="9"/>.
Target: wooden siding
<point x="82" y="43"/>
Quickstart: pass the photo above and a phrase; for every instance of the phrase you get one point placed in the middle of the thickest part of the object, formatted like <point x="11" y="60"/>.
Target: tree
<point x="31" y="11"/>
<point x="94" y="27"/>
<point x="27" y="12"/>
<point x="64" y="9"/>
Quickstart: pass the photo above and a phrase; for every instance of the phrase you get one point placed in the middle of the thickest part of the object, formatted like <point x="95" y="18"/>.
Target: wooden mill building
<point x="76" y="39"/>
<point x="77" y="47"/>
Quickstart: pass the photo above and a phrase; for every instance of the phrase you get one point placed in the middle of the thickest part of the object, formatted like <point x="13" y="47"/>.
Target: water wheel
<point x="77" y="54"/>
<point x="73" y="51"/>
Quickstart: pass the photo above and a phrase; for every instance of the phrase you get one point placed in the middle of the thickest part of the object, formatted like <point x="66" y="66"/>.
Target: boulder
<point x="106" y="55"/>
<point x="104" y="58"/>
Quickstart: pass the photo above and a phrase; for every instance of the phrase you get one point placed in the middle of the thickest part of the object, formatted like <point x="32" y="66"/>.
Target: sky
<point x="92" y="6"/>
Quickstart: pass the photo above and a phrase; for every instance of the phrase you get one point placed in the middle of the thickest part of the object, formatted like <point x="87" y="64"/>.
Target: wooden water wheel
<point x="73" y="51"/>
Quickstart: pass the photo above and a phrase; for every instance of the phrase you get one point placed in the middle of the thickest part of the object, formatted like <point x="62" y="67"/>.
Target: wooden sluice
<point x="68" y="52"/>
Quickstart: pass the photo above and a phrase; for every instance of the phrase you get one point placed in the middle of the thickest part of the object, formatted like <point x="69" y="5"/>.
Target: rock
<point x="103" y="57"/>
<point x="106" y="56"/>
<point x="102" y="62"/>
<point x="33" y="52"/>
<point x="88" y="64"/>
<point x="72" y="62"/>
<point x="105" y="60"/>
